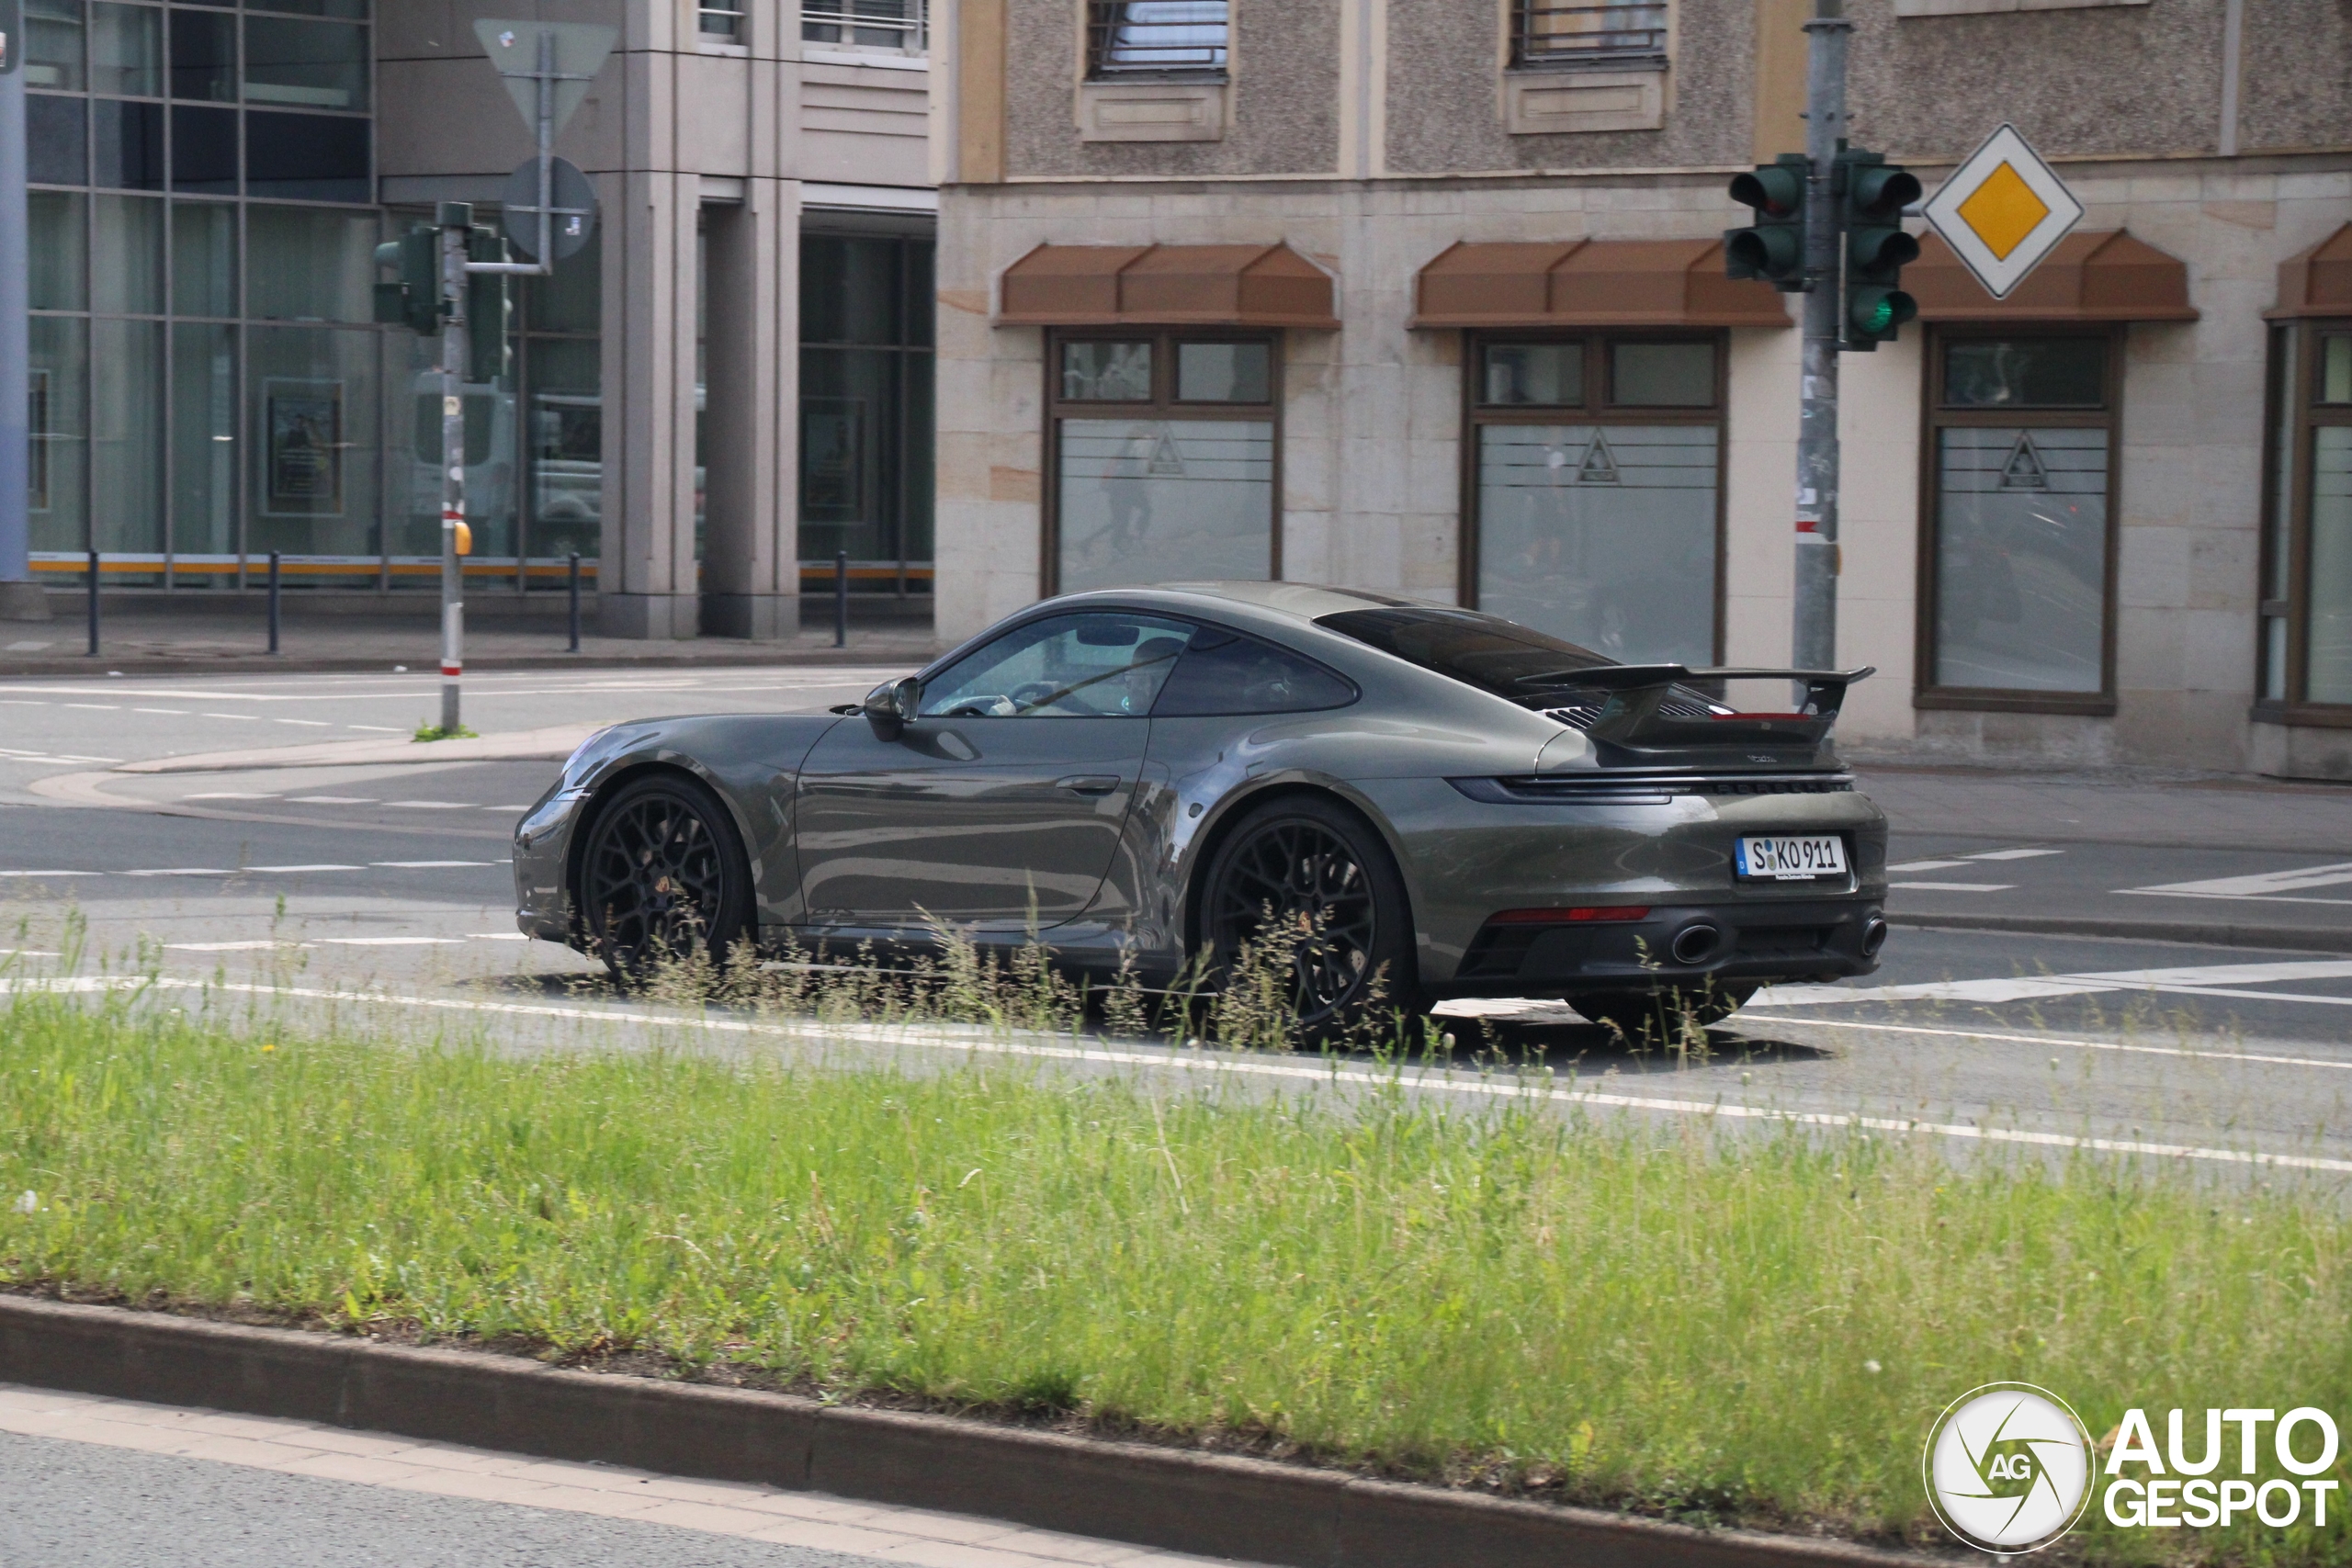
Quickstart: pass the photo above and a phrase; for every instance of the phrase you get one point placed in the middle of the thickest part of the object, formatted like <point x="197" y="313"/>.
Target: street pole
<point x="456" y="219"/>
<point x="20" y="597"/>
<point x="1814" y="637"/>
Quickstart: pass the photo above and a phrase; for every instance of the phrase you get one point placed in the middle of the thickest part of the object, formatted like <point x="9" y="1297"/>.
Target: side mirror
<point x="890" y="707"/>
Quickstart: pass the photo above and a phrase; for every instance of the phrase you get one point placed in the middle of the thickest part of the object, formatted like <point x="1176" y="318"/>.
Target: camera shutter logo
<point x="2008" y="1468"/>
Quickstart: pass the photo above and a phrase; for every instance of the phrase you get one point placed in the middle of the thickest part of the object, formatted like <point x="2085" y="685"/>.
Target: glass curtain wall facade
<point x="866" y="411"/>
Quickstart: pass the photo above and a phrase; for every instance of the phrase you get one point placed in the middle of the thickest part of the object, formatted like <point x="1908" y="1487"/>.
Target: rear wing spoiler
<point x="1633" y="716"/>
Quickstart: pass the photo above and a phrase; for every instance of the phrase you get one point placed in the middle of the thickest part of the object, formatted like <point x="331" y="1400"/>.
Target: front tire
<point x="1314" y="872"/>
<point x="1660" y="1016"/>
<point x="664" y="877"/>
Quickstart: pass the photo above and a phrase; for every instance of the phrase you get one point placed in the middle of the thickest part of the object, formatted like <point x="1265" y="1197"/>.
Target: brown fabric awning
<point x="2108" y="277"/>
<point x="1221" y="286"/>
<point x="1591" y="282"/>
<point x="2319" y="281"/>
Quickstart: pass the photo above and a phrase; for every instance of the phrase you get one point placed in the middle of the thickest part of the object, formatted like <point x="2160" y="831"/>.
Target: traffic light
<point x="1772" y="247"/>
<point x="414" y="301"/>
<point x="486" y="309"/>
<point x="1873" y="195"/>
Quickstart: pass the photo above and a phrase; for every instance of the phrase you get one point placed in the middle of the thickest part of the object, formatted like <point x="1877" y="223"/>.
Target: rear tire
<point x="664" y="877"/>
<point x="1659" y="1017"/>
<point x="1311" y="864"/>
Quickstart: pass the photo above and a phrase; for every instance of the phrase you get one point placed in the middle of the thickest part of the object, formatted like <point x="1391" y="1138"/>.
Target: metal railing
<point x="902" y="25"/>
<point x="1547" y="33"/>
<point x="1146" y="37"/>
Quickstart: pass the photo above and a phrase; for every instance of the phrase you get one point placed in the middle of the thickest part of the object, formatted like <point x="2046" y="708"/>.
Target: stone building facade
<point x="2107" y="519"/>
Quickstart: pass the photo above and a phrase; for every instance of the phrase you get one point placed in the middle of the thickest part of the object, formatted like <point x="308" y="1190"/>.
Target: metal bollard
<point x="94" y="603"/>
<point x="841" y="598"/>
<point x="274" y="559"/>
<point x="573" y="586"/>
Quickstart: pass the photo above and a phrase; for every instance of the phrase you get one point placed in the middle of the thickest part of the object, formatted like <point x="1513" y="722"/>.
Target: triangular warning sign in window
<point x="1165" y="460"/>
<point x="1600" y="464"/>
<point x="2025" y="468"/>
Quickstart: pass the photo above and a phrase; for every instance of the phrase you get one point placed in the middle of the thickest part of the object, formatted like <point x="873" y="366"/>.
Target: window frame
<point x="1596" y="409"/>
<point x="1934" y="417"/>
<point x="1097" y="17"/>
<point x="1519" y="19"/>
<point x="1163" y="405"/>
<point x="2303" y="336"/>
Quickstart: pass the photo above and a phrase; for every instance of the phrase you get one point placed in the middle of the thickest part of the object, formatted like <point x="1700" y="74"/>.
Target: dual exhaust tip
<point x="1699" y="942"/>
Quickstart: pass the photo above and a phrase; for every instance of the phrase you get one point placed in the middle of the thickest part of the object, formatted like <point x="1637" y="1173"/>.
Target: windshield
<point x="1484" y="651"/>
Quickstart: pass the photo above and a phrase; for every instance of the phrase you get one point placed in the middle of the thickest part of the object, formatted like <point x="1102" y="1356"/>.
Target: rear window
<point x="1225" y="672"/>
<point x="1486" y="651"/>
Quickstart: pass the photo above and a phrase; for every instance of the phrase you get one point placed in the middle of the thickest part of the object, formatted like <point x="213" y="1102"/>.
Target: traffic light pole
<point x="456" y="220"/>
<point x="1814" y="640"/>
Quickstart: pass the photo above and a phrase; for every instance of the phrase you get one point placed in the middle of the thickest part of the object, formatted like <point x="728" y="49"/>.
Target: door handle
<point x="1089" y="784"/>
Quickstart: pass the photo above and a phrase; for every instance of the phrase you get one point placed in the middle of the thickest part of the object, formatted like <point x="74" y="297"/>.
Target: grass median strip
<point x="1755" y="1329"/>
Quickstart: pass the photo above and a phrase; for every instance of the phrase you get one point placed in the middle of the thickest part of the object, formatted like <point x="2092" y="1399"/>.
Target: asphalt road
<point x="393" y="875"/>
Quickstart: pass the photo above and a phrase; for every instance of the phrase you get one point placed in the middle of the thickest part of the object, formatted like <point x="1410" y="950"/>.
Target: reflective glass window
<point x="850" y="289"/>
<point x="53" y="45"/>
<point x="1536" y="373"/>
<point x="57" y="413"/>
<point x="1662" y="375"/>
<point x="1223" y="372"/>
<point x="318" y="65"/>
<point x="204" y="438"/>
<point x="1162" y="500"/>
<point x="350" y="10"/>
<point x="306" y="157"/>
<point x="310" y="263"/>
<point x="127" y="388"/>
<point x="311" y="409"/>
<point x="128" y="246"/>
<point x="1106" y="372"/>
<point x="1104" y="665"/>
<point x="127" y="49"/>
<point x="2048" y="373"/>
<point x="57" y="247"/>
<point x="204" y="150"/>
<point x="126" y="144"/>
<point x="56" y="132"/>
<point x="1226" y="672"/>
<point x="204" y="258"/>
<point x="2328" y="672"/>
<point x="1157" y="36"/>
<point x="204" y="55"/>
<point x="2334" y="366"/>
<point x="2022" y="519"/>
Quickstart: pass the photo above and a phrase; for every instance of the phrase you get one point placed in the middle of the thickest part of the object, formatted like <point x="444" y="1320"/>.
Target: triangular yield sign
<point x="513" y="50"/>
<point x="1165" y="460"/>
<point x="1600" y="464"/>
<point x="2025" y="469"/>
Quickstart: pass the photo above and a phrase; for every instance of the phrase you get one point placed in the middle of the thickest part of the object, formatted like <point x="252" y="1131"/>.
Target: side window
<point x="1107" y="664"/>
<point x="1225" y="672"/>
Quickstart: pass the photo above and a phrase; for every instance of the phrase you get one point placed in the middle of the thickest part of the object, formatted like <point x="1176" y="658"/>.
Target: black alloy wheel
<point x="1661" y="1017"/>
<point x="1316" y="869"/>
<point x="663" y="877"/>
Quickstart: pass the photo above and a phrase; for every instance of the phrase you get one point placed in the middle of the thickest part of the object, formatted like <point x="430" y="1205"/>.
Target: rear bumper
<point x="1825" y="938"/>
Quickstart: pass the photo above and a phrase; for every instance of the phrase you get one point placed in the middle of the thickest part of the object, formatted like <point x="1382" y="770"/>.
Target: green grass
<point x="1709" y="1327"/>
<point x="428" y="731"/>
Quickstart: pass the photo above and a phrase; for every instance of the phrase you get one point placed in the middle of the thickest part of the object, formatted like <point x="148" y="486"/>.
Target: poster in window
<point x="832" y="459"/>
<point x="304" y="477"/>
<point x="37" y="453"/>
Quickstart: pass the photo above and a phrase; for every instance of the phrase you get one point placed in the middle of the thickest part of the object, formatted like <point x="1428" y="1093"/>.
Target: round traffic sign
<point x="573" y="207"/>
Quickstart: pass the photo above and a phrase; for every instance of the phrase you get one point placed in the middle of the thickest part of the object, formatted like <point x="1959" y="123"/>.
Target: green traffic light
<point x="1877" y="315"/>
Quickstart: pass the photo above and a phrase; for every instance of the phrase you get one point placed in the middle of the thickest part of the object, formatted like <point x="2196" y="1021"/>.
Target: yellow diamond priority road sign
<point x="2003" y="210"/>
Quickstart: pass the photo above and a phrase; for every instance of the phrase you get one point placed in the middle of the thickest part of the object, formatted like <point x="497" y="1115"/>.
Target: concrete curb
<point x="2195" y="933"/>
<point x="1170" y="1499"/>
<point x="556" y="743"/>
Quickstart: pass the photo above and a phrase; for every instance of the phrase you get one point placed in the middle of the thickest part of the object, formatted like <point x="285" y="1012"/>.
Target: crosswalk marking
<point x="2256" y="886"/>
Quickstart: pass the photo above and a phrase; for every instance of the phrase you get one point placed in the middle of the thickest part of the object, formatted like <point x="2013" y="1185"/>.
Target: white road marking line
<point x="175" y="713"/>
<point x="1926" y="866"/>
<point x="432" y="864"/>
<point x="389" y="941"/>
<point x="498" y="936"/>
<point x="27" y="646"/>
<point x="2017" y="989"/>
<point x="972" y="1041"/>
<point x="329" y="800"/>
<point x="181" y="871"/>
<point x="2242" y="897"/>
<point x="8" y="756"/>
<point x="26" y="953"/>
<point x="96" y="707"/>
<point x="377" y="728"/>
<point x="2015" y="854"/>
<point x="233" y="718"/>
<point x="2044" y="1041"/>
<point x="2257" y="885"/>
<point x="506" y="808"/>
<point x="2231" y="974"/>
<point x="52" y="874"/>
<point x="1957" y="886"/>
<point x="226" y="946"/>
<point x="229" y="795"/>
<point x="322" y="867"/>
<point x="427" y="804"/>
<point x="2196" y="980"/>
<point x="311" y="723"/>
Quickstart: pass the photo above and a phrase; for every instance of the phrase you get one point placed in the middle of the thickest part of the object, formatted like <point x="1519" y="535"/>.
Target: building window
<point x="1551" y="34"/>
<point x="722" y="23"/>
<point x="2018" y="569"/>
<point x="902" y="25"/>
<point x="1164" y="458"/>
<point x="1595" y="496"/>
<point x="2306" y="610"/>
<point x="866" y="411"/>
<point x="1156" y="37"/>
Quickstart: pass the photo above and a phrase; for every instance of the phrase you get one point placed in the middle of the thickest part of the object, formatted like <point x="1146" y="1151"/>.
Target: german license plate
<point x="1793" y="858"/>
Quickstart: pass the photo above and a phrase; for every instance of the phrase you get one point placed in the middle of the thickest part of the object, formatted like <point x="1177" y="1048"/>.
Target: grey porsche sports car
<point x="1438" y="803"/>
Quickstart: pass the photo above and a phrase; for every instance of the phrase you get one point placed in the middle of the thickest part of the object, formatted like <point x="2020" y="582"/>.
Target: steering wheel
<point x="1030" y="693"/>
